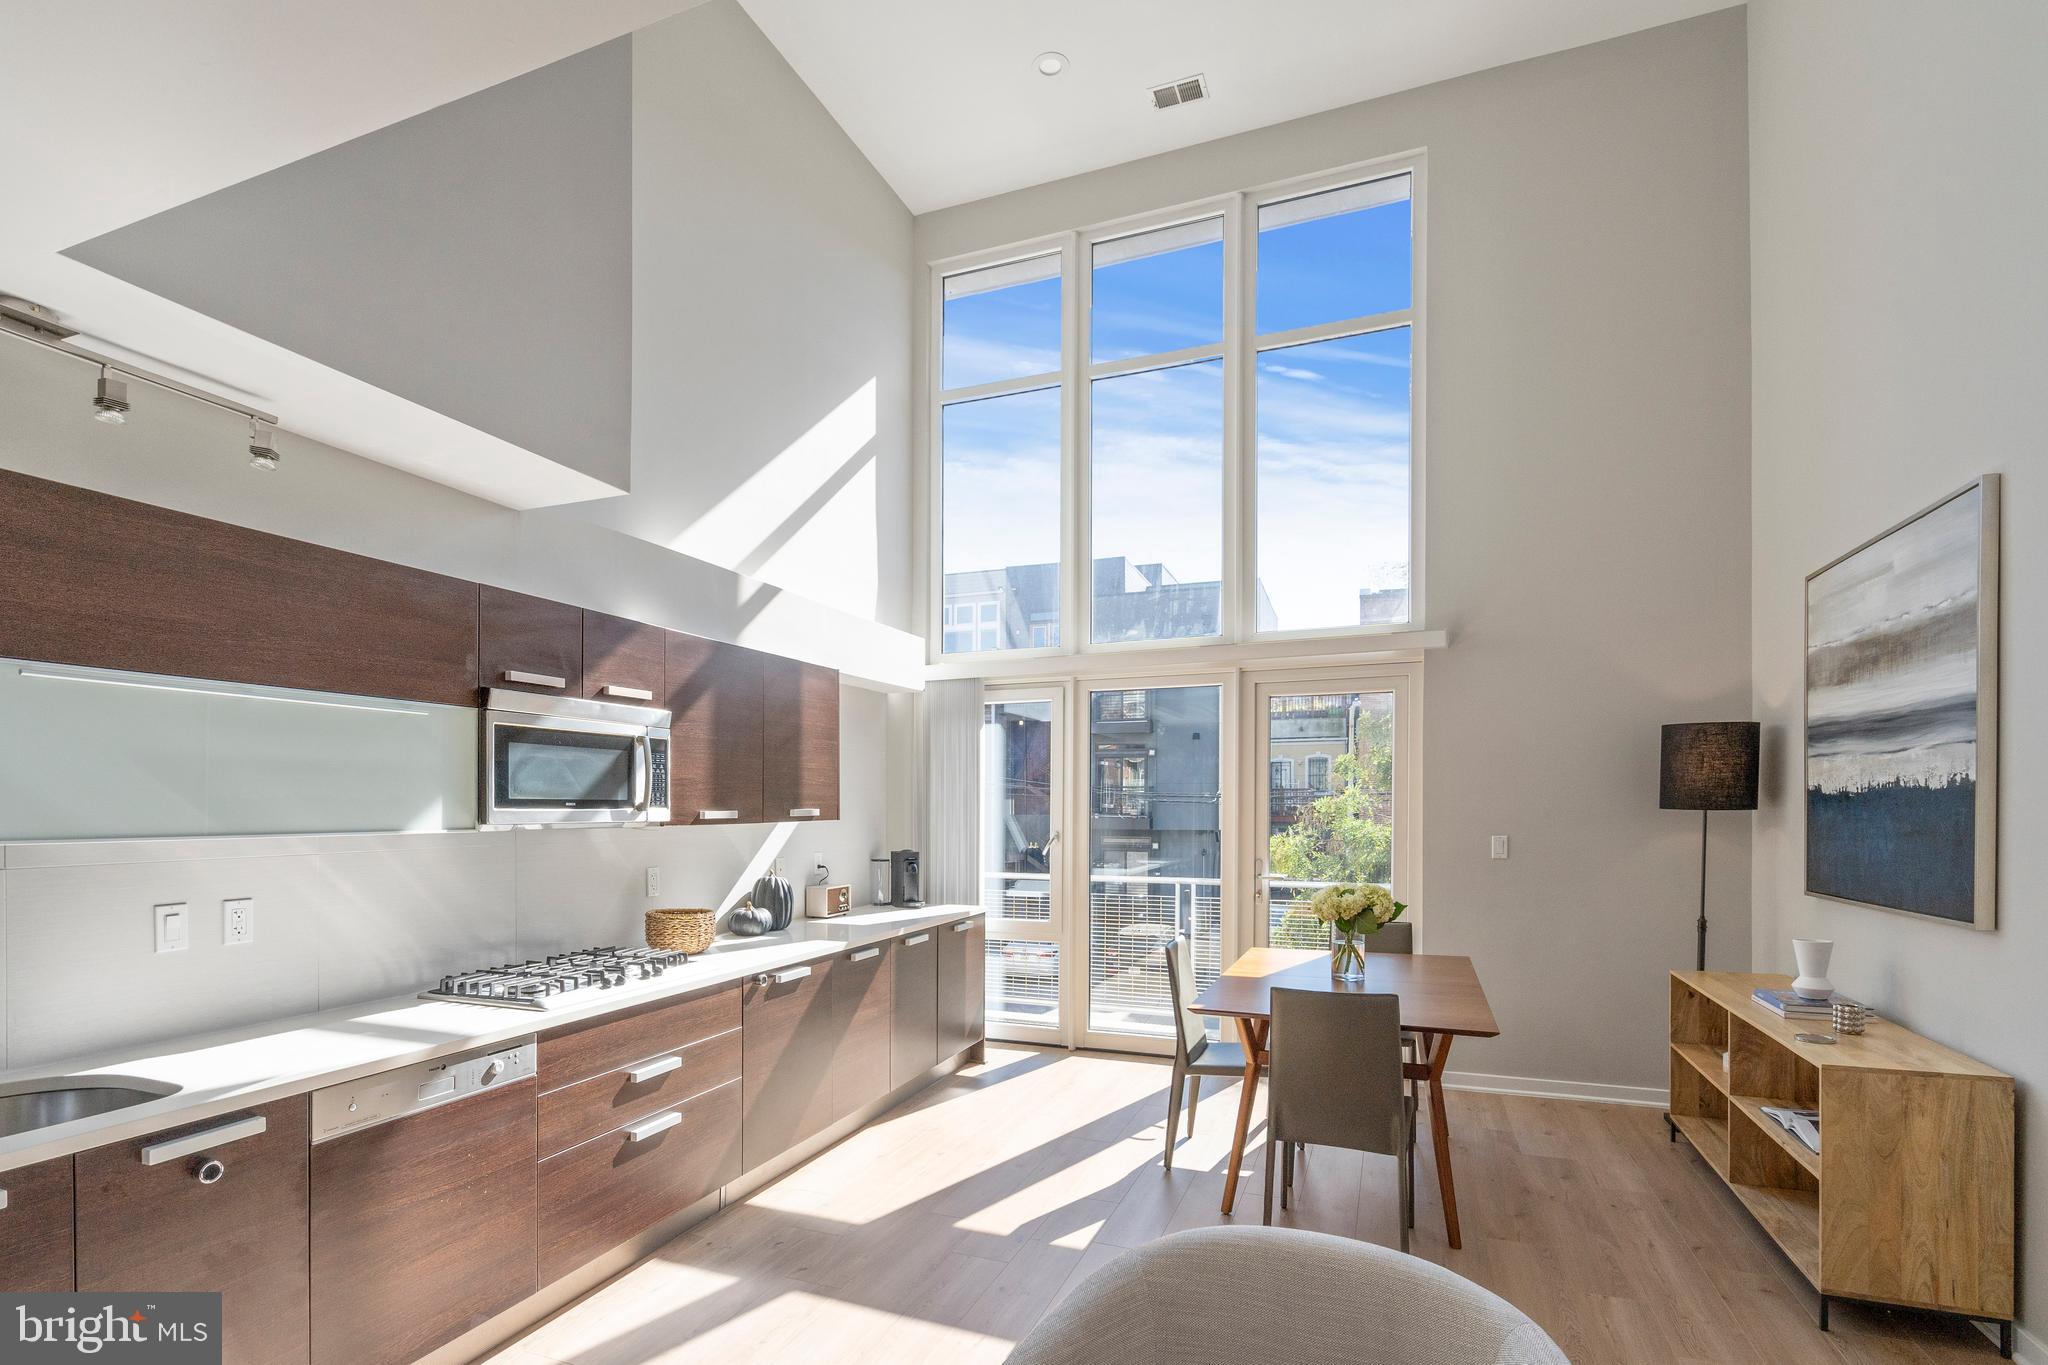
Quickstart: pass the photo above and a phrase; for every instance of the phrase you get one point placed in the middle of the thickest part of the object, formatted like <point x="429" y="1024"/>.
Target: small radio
<point x="823" y="902"/>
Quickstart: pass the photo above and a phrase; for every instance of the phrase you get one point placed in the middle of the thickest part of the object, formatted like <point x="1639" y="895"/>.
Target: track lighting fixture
<point x="262" y="443"/>
<point x="110" y="401"/>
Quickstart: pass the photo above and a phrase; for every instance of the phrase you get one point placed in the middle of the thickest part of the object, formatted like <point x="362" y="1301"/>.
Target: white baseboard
<point x="2027" y="1349"/>
<point x="1650" y="1097"/>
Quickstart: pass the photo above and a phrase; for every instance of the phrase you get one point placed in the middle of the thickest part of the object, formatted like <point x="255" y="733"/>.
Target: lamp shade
<point x="1709" y="765"/>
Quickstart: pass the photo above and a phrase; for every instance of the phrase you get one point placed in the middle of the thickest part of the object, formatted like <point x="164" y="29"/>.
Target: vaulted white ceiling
<point x="943" y="98"/>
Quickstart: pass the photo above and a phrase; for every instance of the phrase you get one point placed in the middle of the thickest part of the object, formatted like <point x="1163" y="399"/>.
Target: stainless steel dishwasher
<point x="423" y="1204"/>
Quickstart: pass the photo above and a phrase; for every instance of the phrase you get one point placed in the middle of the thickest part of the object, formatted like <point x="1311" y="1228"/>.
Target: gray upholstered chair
<point x="1195" y="1053"/>
<point x="1399" y="937"/>
<point x="1246" y="1296"/>
<point x="1334" y="1080"/>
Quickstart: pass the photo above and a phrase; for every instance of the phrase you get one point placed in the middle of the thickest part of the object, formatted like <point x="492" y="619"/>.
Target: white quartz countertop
<point x="214" y="1073"/>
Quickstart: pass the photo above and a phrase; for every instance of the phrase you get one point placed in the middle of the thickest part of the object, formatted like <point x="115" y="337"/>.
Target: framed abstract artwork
<point x="1902" y="716"/>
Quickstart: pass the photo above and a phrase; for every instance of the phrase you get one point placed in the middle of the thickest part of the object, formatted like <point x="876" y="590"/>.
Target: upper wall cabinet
<point x="800" y="750"/>
<point x="528" y="644"/>
<point x="714" y="691"/>
<point x="107" y="583"/>
<point x="624" y="661"/>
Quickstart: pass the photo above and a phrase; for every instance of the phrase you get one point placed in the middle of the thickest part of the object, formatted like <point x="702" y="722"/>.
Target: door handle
<point x="525" y="679"/>
<point x="862" y="956"/>
<point x="804" y="813"/>
<point x="718" y="815"/>
<point x="915" y="939"/>
<point x="647" y="1128"/>
<point x="3" y="1199"/>
<point x="647" y="1071"/>
<point x="963" y="926"/>
<point x="157" y="1153"/>
<point x="629" y="693"/>
<point x="783" y="977"/>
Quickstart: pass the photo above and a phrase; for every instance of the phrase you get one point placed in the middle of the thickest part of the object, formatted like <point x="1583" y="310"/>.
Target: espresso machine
<point x="906" y="887"/>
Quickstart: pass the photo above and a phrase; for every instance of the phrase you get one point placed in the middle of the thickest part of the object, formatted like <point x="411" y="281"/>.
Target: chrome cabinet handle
<point x="647" y="1128"/>
<point x="211" y="1171"/>
<point x="804" y="813"/>
<point x="647" y="1071"/>
<point x="3" y="1199"/>
<point x="629" y="693"/>
<point x="718" y="815"/>
<point x="963" y="926"/>
<point x="915" y="939"/>
<point x="514" y="675"/>
<point x="784" y="977"/>
<point x="157" y="1153"/>
<point x="864" y="954"/>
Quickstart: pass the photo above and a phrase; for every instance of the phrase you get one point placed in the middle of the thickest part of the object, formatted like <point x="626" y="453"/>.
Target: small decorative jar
<point x="1848" y="1016"/>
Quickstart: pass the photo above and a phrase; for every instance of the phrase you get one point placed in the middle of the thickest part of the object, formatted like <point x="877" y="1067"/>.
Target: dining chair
<point x="1334" y="1080"/>
<point x="1195" y="1053"/>
<point x="1399" y="937"/>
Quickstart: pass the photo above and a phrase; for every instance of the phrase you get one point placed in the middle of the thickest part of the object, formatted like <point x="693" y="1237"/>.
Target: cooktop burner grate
<point x="550" y="982"/>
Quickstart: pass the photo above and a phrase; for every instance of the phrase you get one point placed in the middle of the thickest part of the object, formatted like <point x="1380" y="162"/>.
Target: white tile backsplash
<point x="343" y="918"/>
<point x="395" y="919"/>
<point x="83" y="972"/>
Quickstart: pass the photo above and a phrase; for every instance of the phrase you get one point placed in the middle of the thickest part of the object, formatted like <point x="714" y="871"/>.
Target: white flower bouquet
<point x="1353" y="911"/>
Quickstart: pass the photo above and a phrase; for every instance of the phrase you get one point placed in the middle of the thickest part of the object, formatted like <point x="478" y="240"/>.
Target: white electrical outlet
<point x="1500" y="845"/>
<point x="653" y="881"/>
<point x="173" y="928"/>
<point x="238" y="921"/>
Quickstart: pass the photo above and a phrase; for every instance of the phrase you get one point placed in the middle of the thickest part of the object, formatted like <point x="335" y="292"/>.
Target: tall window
<point x="1185" y="380"/>
<point x="999" y="434"/>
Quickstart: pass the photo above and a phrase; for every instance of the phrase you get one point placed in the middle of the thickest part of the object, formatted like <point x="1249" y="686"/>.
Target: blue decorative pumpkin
<point x="775" y="898"/>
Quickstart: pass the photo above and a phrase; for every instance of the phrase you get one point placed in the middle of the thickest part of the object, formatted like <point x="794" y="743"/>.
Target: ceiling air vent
<point x="1185" y="91"/>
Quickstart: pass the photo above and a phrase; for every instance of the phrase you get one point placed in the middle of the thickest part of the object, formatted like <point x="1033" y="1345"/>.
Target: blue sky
<point x="1333" y="418"/>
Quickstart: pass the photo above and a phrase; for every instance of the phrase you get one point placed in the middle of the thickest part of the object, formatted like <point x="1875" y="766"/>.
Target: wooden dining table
<point x="1441" y="999"/>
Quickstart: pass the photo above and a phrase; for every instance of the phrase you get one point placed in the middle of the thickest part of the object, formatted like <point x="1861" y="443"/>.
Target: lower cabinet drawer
<point x="607" y="1190"/>
<point x="576" y="1052"/>
<point x="576" y="1113"/>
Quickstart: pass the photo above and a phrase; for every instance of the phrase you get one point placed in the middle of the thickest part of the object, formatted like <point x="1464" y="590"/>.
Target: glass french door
<point x="1335" y="758"/>
<point x="1158" y="799"/>
<point x="1023" y="801"/>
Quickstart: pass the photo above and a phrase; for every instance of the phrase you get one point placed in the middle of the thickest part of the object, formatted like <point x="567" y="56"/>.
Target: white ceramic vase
<point x="1812" y="954"/>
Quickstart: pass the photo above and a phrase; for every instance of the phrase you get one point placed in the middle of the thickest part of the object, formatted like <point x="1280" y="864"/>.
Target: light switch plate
<point x="173" y="928"/>
<point x="1500" y="845"/>
<point x="238" y="921"/>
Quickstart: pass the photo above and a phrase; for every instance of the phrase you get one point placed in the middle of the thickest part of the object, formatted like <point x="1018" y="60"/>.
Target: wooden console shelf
<point x="1910" y="1199"/>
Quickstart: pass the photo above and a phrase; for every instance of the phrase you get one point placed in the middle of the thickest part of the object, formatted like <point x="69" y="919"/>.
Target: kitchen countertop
<point x="237" y="1068"/>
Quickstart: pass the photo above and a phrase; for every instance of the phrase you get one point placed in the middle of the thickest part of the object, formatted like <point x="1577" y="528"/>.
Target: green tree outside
<point x="1345" y="835"/>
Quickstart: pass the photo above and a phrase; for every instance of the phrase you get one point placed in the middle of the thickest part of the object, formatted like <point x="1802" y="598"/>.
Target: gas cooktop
<point x="552" y="982"/>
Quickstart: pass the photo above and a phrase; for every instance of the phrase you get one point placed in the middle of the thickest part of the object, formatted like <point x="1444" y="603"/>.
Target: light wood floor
<point x="944" y="1230"/>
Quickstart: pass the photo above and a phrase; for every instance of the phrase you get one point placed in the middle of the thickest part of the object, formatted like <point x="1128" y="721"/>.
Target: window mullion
<point x="1336" y="331"/>
<point x="1075" y="549"/>
<point x="1240" y="557"/>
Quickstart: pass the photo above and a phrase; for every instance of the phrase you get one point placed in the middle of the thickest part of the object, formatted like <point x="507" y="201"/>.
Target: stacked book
<point x="1790" y="1005"/>
<point x="1803" y="1124"/>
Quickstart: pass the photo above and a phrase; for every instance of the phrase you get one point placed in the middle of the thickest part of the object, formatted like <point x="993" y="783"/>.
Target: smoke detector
<point x="1184" y="91"/>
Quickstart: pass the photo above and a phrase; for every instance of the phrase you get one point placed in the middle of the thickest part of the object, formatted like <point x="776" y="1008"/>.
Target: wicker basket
<point x="680" y="931"/>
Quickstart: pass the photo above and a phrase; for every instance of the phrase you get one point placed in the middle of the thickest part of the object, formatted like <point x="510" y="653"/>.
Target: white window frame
<point x="1238" y="348"/>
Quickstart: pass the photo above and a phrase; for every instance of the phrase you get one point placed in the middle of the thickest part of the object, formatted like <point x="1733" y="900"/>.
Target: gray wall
<point x="476" y="259"/>
<point x="1588" y="501"/>
<point x="1899" y="290"/>
<point x="351" y="918"/>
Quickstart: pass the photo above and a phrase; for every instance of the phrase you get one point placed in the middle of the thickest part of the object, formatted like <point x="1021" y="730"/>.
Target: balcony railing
<point x="1132" y="802"/>
<point x="1121" y="706"/>
<point x="1130" y="920"/>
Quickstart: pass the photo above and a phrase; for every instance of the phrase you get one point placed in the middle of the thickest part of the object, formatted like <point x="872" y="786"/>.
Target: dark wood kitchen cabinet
<point x="104" y="582"/>
<point x="715" y="693"/>
<point x="963" y="983"/>
<point x="624" y="661"/>
<point x="788" y="1042"/>
<point x="863" y="1005"/>
<point x="528" y="644"/>
<point x="423" y="1227"/>
<point x="800" y="748"/>
<point x="35" y="1229"/>
<point x="914" y="997"/>
<point x="227" y="1213"/>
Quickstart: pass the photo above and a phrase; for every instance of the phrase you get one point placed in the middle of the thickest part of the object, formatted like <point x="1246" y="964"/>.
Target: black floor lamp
<point x="1708" y="765"/>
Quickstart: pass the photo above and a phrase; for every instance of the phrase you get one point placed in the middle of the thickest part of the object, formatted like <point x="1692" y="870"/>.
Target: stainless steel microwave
<point x="566" y="761"/>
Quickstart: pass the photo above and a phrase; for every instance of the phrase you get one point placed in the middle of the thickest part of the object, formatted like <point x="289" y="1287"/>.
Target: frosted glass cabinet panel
<point x="91" y="754"/>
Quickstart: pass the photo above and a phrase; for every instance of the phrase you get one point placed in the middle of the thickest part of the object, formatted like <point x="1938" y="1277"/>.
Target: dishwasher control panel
<point x="345" y="1108"/>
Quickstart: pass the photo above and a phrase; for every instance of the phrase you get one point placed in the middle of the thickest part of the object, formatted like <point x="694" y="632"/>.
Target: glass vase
<point x="1347" y="959"/>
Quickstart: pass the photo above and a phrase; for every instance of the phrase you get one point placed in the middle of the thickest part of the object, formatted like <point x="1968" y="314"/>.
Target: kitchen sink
<point x="26" y="1106"/>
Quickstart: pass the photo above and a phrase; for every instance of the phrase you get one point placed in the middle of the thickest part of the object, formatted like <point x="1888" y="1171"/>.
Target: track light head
<point x="262" y="444"/>
<point x="110" y="401"/>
